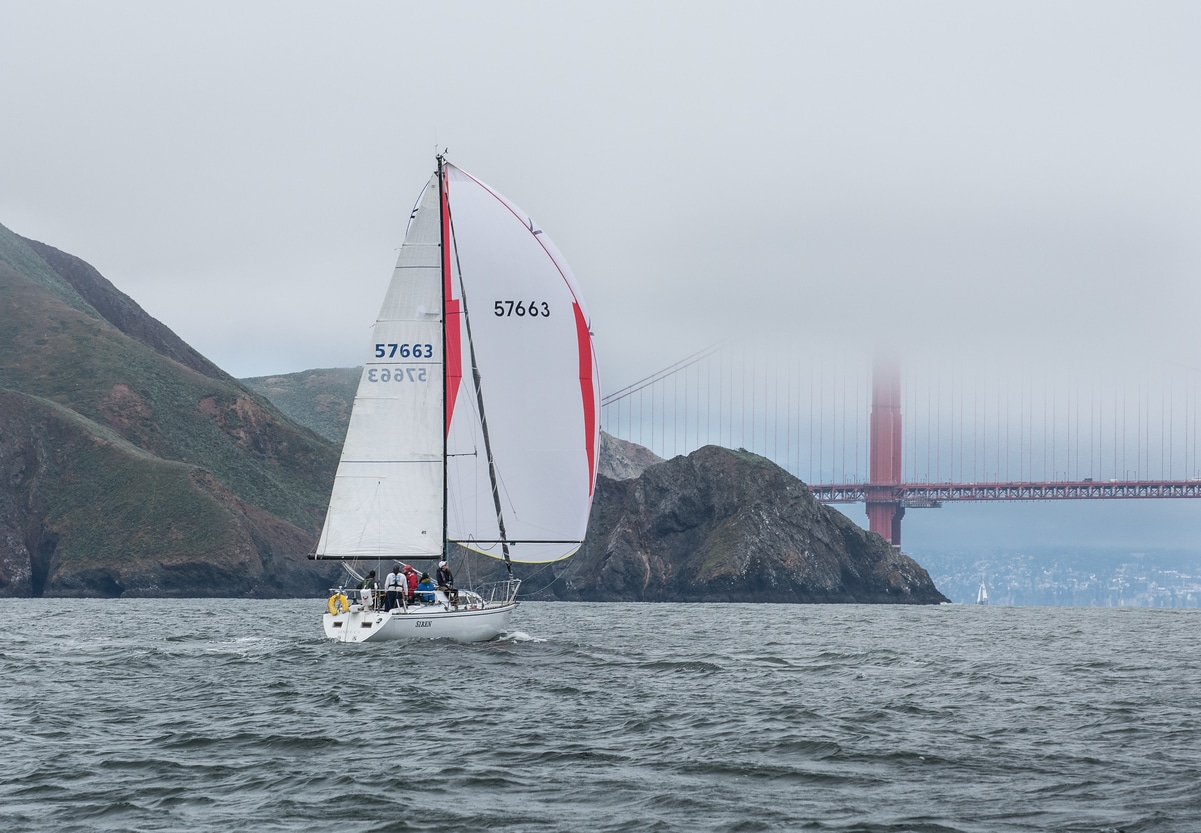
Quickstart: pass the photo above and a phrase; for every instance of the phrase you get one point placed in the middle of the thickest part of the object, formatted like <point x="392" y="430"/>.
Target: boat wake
<point x="521" y="636"/>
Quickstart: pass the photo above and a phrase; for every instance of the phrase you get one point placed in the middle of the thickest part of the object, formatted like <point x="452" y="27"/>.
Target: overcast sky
<point x="942" y="176"/>
<point x="913" y="172"/>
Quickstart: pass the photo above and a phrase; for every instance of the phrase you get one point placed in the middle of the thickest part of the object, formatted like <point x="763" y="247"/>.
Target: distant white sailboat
<point x="982" y="595"/>
<point x="476" y="420"/>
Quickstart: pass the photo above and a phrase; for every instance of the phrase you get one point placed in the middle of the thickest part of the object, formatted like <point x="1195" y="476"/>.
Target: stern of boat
<point x="481" y="614"/>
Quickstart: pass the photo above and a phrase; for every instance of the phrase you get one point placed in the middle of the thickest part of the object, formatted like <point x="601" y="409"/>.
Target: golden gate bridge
<point x="898" y="435"/>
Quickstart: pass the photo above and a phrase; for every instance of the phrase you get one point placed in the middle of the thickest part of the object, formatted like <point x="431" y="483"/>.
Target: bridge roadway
<point x="917" y="495"/>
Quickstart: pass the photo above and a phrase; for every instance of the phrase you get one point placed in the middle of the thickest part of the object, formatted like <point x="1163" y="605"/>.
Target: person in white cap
<point x="445" y="581"/>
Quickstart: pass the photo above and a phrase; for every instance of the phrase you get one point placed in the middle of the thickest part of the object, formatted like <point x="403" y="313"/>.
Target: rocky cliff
<point x="726" y="526"/>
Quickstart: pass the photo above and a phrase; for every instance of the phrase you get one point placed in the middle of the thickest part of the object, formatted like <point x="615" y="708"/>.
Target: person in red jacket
<point x="412" y="578"/>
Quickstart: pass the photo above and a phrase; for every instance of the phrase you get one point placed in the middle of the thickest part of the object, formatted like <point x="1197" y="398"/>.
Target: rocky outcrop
<point x="727" y="526"/>
<point x="622" y="460"/>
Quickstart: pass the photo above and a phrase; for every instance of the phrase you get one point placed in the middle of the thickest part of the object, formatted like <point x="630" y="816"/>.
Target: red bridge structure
<point x="887" y="496"/>
<point x="1066" y="435"/>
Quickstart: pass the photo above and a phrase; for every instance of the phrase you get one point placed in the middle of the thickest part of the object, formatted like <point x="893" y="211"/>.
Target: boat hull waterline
<point x="382" y="626"/>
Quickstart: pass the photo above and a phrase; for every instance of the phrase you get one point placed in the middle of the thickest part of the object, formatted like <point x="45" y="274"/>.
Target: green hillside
<point x="317" y="399"/>
<point x="142" y="450"/>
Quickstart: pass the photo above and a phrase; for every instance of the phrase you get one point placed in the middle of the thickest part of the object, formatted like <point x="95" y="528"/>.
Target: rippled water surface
<point x="149" y="715"/>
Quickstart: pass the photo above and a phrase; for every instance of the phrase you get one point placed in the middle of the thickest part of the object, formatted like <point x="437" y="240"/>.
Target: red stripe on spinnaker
<point x="587" y="391"/>
<point x="454" y="346"/>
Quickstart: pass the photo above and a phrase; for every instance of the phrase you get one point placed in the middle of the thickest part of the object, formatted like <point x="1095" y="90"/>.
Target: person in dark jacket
<point x="445" y="581"/>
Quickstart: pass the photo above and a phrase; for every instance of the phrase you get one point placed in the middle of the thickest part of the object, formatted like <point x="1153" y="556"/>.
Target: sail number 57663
<point x="507" y="309"/>
<point x="404" y="351"/>
<point x="397" y="374"/>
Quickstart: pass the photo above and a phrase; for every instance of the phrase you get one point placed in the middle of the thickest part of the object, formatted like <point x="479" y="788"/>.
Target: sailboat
<point x="982" y="595"/>
<point x="476" y="421"/>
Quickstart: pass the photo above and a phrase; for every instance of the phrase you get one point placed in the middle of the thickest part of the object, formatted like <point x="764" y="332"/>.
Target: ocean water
<point x="203" y="715"/>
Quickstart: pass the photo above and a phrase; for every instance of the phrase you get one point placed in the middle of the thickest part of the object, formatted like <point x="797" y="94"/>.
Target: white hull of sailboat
<point x="419" y="623"/>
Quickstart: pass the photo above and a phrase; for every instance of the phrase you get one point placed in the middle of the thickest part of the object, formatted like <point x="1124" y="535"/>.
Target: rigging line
<point x="449" y="235"/>
<point x="444" y="232"/>
<point x="527" y="222"/>
<point x="572" y="566"/>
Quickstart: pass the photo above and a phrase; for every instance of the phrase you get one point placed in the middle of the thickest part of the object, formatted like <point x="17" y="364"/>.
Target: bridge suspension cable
<point x="962" y="421"/>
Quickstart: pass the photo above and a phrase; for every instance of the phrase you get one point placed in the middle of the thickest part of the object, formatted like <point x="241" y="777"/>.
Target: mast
<point x="444" y="243"/>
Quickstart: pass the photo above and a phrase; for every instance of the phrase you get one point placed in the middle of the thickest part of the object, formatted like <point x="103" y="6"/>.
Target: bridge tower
<point x="884" y="509"/>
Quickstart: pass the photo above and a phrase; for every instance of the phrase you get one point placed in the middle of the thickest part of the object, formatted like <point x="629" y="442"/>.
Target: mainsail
<point x="387" y="496"/>
<point x="490" y="426"/>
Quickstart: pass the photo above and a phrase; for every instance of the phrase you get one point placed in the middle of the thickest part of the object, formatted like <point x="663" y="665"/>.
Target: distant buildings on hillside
<point x="1103" y="580"/>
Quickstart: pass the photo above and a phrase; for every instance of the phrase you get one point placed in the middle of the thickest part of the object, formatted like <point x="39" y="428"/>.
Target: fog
<point x="1015" y="180"/>
<point x="917" y="173"/>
